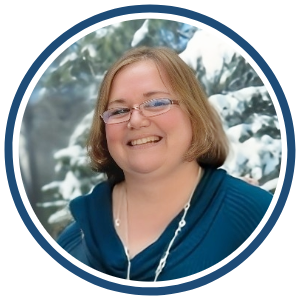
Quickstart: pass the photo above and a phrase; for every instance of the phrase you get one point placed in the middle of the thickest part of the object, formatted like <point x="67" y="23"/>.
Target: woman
<point x="166" y="211"/>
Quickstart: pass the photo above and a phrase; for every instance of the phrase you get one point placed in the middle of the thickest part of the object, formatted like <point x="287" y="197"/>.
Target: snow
<point x="73" y="151"/>
<point x="224" y="104"/>
<point x="233" y="104"/>
<point x="60" y="216"/>
<point x="91" y="49"/>
<point x="258" y="156"/>
<point x="70" y="187"/>
<point x="140" y="34"/>
<point x="270" y="185"/>
<point x="70" y="57"/>
<point x="82" y="128"/>
<point x="245" y="131"/>
<point x="100" y="33"/>
<point x="212" y="52"/>
<point x="53" y="203"/>
<point x="73" y="159"/>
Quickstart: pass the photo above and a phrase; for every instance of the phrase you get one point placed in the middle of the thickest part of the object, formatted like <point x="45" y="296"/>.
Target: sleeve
<point x="71" y="240"/>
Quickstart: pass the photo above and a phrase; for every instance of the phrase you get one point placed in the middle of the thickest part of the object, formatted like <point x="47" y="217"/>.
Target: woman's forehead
<point x="142" y="77"/>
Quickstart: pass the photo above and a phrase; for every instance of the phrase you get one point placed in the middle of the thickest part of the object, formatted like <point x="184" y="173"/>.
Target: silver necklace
<point x="181" y="224"/>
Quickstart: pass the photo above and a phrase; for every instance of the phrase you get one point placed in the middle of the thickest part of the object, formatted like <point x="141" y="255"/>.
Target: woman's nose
<point x="137" y="120"/>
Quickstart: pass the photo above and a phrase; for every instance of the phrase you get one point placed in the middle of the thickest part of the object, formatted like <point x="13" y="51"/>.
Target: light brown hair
<point x="209" y="144"/>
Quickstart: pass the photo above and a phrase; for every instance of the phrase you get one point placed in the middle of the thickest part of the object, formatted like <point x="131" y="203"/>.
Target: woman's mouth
<point x="146" y="140"/>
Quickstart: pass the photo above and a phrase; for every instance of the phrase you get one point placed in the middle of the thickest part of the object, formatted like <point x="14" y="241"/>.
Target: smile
<point x="146" y="140"/>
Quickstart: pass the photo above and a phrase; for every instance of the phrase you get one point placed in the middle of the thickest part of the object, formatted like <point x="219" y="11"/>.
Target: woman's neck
<point x="153" y="189"/>
<point x="145" y="205"/>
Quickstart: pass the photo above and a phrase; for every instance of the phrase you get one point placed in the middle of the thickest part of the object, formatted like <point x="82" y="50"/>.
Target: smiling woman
<point x="135" y="83"/>
<point x="167" y="210"/>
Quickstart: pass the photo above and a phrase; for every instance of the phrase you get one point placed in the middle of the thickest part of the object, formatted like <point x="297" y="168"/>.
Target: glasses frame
<point x="138" y="107"/>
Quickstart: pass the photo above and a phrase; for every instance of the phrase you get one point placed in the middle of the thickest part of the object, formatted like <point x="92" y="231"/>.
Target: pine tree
<point x="232" y="85"/>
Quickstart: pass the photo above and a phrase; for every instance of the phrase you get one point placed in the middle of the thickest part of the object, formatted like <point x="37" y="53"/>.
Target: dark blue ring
<point x="289" y="135"/>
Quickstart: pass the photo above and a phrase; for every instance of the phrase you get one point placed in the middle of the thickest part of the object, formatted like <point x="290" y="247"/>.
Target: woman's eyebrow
<point x="117" y="101"/>
<point x="146" y="95"/>
<point x="152" y="93"/>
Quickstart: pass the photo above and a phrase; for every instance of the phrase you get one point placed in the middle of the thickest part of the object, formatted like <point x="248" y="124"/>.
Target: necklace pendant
<point x="117" y="222"/>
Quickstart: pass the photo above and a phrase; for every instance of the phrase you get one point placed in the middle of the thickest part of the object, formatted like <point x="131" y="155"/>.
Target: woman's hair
<point x="209" y="143"/>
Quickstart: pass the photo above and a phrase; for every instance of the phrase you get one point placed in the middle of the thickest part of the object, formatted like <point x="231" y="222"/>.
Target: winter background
<point x="53" y="160"/>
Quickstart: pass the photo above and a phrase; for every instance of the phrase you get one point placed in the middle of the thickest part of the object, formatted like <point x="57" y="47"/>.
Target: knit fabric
<point x="224" y="212"/>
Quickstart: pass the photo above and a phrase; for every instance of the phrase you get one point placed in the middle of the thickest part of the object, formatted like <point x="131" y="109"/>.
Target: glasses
<point x="148" y="108"/>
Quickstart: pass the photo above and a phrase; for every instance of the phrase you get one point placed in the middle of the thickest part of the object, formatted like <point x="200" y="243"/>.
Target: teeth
<point x="146" y="140"/>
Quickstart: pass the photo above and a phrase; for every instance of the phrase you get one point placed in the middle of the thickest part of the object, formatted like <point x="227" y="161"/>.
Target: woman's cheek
<point x="113" y="133"/>
<point x="111" y="137"/>
<point x="115" y="138"/>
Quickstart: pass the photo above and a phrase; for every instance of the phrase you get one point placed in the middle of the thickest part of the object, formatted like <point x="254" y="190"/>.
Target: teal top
<point x="224" y="212"/>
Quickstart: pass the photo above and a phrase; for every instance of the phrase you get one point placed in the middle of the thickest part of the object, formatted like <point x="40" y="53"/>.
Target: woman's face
<point x="147" y="144"/>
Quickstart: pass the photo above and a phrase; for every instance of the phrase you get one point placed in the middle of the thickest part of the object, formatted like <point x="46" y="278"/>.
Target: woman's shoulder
<point x="102" y="189"/>
<point x="236" y="189"/>
<point x="240" y="188"/>
<point x="245" y="201"/>
<point x="72" y="241"/>
<point x="70" y="237"/>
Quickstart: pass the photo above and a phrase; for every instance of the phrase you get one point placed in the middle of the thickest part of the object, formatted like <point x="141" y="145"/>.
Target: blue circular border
<point x="289" y="135"/>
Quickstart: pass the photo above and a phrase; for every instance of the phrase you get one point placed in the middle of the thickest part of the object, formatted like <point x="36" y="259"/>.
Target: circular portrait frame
<point x="289" y="132"/>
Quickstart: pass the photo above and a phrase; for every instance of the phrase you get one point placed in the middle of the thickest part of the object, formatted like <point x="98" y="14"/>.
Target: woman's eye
<point x="119" y="111"/>
<point x="158" y="103"/>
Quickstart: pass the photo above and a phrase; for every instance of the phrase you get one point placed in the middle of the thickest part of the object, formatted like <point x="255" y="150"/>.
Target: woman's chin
<point x="143" y="169"/>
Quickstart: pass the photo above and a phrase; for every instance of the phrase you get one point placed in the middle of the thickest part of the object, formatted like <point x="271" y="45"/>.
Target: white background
<point x="27" y="28"/>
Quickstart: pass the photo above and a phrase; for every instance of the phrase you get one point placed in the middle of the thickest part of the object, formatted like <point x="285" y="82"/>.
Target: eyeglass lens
<point x="149" y="108"/>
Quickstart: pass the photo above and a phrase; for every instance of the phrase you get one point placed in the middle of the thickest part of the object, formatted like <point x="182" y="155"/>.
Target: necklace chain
<point x="181" y="224"/>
